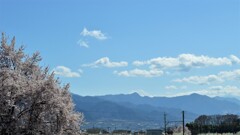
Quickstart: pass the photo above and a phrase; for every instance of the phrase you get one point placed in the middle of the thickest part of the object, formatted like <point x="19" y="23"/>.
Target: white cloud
<point x="140" y="72"/>
<point x="94" y="33"/>
<point x="105" y="62"/>
<point x="209" y="79"/>
<point x="83" y="43"/>
<point x="173" y="87"/>
<point x="185" y="62"/>
<point x="221" y="91"/>
<point x="230" y="75"/>
<point x="216" y="87"/>
<point x="201" y="80"/>
<point x="213" y="91"/>
<point x="235" y="59"/>
<point x="66" y="72"/>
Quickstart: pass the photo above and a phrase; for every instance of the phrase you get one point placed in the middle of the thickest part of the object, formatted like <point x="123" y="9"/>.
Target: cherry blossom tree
<point x="179" y="131"/>
<point x="32" y="101"/>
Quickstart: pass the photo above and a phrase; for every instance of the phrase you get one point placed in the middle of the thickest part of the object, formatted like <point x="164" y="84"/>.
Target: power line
<point x="167" y="122"/>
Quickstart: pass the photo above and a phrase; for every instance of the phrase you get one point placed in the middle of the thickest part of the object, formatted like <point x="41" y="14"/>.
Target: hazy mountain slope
<point x="132" y="107"/>
<point x="97" y="109"/>
<point x="233" y="100"/>
<point x="194" y="103"/>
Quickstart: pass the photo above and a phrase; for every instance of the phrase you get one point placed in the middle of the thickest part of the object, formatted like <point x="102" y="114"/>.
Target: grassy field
<point x="212" y="134"/>
<point x="221" y="134"/>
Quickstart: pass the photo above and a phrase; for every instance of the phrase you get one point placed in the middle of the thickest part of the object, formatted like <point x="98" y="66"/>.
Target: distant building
<point x="139" y="133"/>
<point x="121" y="132"/>
<point x="97" y="131"/>
<point x="154" y="132"/>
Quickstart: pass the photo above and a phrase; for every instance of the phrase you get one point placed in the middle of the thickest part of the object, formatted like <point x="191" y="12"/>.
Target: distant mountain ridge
<point x="95" y="109"/>
<point x="195" y="103"/>
<point x="233" y="100"/>
<point x="133" y="107"/>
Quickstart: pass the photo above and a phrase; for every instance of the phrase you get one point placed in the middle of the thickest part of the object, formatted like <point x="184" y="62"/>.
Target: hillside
<point x="195" y="103"/>
<point x="141" y="112"/>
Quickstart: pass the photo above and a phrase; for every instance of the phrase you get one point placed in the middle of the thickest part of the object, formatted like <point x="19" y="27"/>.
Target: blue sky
<point x="156" y="48"/>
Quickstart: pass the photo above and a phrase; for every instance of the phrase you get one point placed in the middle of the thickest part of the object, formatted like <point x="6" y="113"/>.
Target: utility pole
<point x="165" y="123"/>
<point x="183" y="122"/>
<point x="108" y="129"/>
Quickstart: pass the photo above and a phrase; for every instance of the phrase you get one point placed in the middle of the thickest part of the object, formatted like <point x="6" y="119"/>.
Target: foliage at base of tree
<point x="32" y="102"/>
<point x="215" y="124"/>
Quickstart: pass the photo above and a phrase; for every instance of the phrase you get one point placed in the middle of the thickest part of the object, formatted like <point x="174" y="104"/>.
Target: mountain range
<point x="137" y="110"/>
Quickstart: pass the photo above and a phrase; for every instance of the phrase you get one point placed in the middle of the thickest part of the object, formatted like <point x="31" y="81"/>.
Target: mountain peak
<point x="198" y="95"/>
<point x="195" y="94"/>
<point x="135" y="94"/>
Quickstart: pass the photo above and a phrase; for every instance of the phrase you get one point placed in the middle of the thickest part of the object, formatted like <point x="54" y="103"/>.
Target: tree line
<point x="229" y="123"/>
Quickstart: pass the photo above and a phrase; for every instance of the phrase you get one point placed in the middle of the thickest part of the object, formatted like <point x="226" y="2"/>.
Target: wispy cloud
<point x="140" y="72"/>
<point x="94" y="33"/>
<point x="105" y="62"/>
<point x="230" y="75"/>
<point x="185" y="62"/>
<point x="174" y="87"/>
<point x="209" y="79"/>
<point x="83" y="43"/>
<point x="213" y="91"/>
<point x="221" y="91"/>
<point x="66" y="72"/>
<point x="202" y="80"/>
